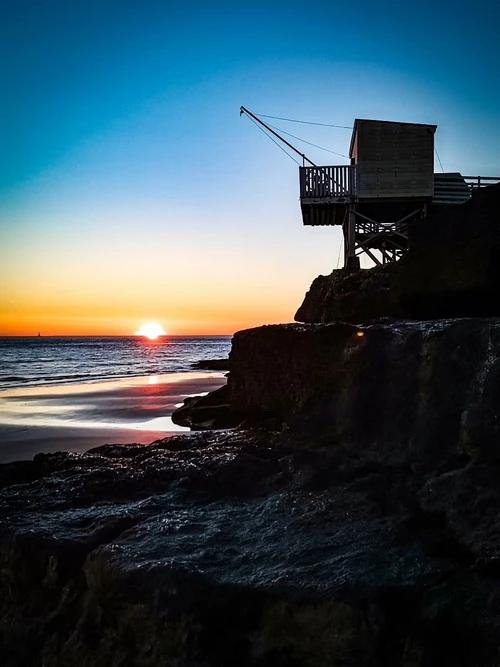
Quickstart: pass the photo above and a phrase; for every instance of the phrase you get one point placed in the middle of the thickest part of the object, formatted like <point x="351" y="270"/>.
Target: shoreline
<point x="76" y="417"/>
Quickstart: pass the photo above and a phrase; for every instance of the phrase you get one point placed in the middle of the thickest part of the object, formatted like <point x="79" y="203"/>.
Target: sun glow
<point x="151" y="330"/>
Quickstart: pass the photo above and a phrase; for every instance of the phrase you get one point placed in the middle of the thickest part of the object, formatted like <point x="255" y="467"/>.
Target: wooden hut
<point x="389" y="183"/>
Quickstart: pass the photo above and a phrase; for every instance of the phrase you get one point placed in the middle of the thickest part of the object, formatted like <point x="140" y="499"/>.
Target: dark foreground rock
<point x="212" y="411"/>
<point x="249" y="549"/>
<point x="414" y="391"/>
<point x="366" y="534"/>
<point x="452" y="270"/>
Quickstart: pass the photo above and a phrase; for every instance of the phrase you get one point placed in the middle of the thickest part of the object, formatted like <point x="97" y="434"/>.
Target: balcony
<point x="327" y="185"/>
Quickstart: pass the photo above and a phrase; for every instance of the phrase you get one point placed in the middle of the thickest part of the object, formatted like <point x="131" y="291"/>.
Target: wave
<point x="14" y="378"/>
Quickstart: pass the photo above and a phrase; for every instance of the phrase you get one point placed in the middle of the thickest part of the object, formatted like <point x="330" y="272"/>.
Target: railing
<point x="453" y="188"/>
<point x="341" y="182"/>
<point x="326" y="182"/>
<point x="475" y="182"/>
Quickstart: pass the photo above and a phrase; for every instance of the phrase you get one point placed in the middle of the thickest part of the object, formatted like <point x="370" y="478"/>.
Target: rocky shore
<point x="350" y="517"/>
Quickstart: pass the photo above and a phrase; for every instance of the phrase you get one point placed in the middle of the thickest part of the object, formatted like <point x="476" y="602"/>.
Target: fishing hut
<point x="389" y="184"/>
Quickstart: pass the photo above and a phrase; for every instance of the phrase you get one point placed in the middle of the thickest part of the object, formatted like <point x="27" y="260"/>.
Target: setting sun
<point x="151" y="330"/>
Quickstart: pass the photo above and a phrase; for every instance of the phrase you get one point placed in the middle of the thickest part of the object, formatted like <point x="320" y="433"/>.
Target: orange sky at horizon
<point x="77" y="307"/>
<point x="20" y="322"/>
<point x="52" y="316"/>
<point x="30" y="326"/>
<point x="69" y="284"/>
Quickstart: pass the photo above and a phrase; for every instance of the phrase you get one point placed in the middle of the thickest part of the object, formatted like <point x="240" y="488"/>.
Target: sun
<point x="151" y="330"/>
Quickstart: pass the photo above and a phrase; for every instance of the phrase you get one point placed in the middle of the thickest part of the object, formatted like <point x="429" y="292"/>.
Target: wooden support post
<point x="351" y="261"/>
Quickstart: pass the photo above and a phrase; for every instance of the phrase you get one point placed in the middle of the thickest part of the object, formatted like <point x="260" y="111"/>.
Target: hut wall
<point x="394" y="159"/>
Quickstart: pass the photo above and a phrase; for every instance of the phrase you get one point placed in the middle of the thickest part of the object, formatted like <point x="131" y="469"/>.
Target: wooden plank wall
<point x="395" y="159"/>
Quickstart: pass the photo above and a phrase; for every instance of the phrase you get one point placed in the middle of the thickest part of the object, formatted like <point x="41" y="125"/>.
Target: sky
<point x="131" y="189"/>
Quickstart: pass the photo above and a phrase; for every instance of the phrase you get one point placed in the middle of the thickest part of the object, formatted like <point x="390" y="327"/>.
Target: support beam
<point x="382" y="241"/>
<point x="351" y="261"/>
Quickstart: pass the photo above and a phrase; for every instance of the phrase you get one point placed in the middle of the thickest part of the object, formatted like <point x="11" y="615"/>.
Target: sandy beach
<point x="76" y="417"/>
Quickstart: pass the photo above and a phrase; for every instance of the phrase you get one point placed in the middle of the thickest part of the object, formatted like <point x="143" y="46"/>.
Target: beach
<point x="77" y="417"/>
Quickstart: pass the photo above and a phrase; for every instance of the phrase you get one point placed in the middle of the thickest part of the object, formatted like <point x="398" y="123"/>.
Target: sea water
<point x="36" y="361"/>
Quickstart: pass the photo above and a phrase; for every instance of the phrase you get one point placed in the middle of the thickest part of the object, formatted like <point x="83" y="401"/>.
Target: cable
<point x="439" y="159"/>
<point x="308" y="142"/>
<point x="338" y="256"/>
<point x="274" y="141"/>
<point x="306" y="122"/>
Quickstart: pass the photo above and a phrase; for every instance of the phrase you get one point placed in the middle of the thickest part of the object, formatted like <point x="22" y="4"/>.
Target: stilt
<point x="351" y="261"/>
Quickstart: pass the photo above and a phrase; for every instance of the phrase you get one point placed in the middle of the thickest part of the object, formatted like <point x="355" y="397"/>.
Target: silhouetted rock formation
<point x="417" y="391"/>
<point x="452" y="270"/>
<point x="348" y="296"/>
<point x="208" y="412"/>
<point x="249" y="549"/>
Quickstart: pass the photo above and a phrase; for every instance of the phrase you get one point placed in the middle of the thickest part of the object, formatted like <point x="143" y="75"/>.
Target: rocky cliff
<point x="415" y="391"/>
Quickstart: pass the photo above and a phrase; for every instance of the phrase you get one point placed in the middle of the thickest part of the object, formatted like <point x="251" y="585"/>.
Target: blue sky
<point x="124" y="156"/>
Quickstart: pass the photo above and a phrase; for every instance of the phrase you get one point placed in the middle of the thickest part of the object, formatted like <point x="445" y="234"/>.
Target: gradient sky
<point x="130" y="188"/>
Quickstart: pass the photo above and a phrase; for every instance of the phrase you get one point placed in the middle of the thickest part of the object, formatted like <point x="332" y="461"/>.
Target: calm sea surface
<point x="58" y="360"/>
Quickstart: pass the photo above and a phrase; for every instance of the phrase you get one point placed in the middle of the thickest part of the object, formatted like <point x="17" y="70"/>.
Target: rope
<point x="439" y="159"/>
<point x="308" y="142"/>
<point x="274" y="141"/>
<point x="305" y="122"/>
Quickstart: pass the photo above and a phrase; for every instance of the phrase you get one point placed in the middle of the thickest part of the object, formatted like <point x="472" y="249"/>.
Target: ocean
<point x="39" y="361"/>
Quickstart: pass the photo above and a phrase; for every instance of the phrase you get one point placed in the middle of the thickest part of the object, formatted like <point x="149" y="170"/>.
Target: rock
<point x="452" y="270"/>
<point x="417" y="391"/>
<point x="212" y="411"/>
<point x="212" y="364"/>
<point x="248" y="548"/>
<point x="350" y="297"/>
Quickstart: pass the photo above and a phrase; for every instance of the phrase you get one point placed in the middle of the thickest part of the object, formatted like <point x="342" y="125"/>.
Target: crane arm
<point x="249" y="113"/>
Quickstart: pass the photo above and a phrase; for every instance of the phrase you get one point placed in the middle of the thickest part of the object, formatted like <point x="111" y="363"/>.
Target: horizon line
<point x="132" y="335"/>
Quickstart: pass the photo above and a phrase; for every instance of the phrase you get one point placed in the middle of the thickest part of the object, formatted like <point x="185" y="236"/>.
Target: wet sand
<point x="76" y="417"/>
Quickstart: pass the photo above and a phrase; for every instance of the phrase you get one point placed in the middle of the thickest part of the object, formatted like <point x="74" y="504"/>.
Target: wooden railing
<point x="327" y="182"/>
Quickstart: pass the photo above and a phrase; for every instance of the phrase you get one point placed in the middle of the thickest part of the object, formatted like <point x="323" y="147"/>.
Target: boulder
<point x="350" y="297"/>
<point x="210" y="411"/>
<point x="411" y="390"/>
